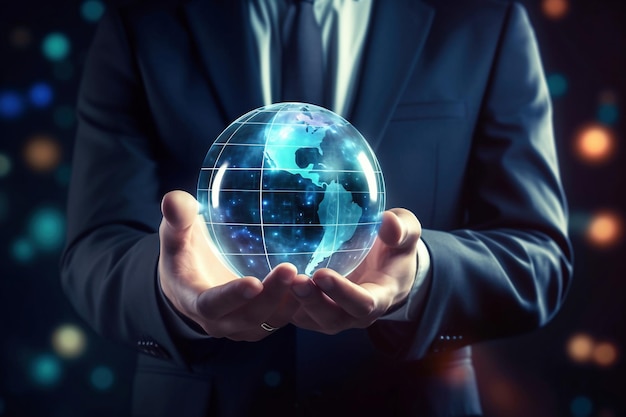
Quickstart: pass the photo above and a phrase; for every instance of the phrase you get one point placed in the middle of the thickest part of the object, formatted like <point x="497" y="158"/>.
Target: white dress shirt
<point x="344" y="25"/>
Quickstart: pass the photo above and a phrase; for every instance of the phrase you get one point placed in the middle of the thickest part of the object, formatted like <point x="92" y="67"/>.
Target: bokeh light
<point x="555" y="9"/>
<point x="42" y="153"/>
<point x="557" y="85"/>
<point x="5" y="165"/>
<point x="55" y="46"/>
<point x="69" y="341"/>
<point x="63" y="70"/>
<point x="580" y="347"/>
<point x="40" y="95"/>
<point x="11" y="104"/>
<point x="595" y="143"/>
<point x="605" y="354"/>
<point x="45" y="370"/>
<point x="4" y="206"/>
<point x="272" y="378"/>
<point x="102" y="378"/>
<point x="46" y="228"/>
<point x="63" y="174"/>
<point x="92" y="10"/>
<point x="605" y="229"/>
<point x="581" y="406"/>
<point x="22" y="250"/>
<point x="64" y="117"/>
<point x="20" y="37"/>
<point x="608" y="113"/>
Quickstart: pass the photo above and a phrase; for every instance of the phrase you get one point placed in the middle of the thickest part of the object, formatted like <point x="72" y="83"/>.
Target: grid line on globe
<point x="291" y="182"/>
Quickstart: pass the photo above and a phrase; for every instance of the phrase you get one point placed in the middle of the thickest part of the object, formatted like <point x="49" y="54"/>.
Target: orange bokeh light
<point x="605" y="229"/>
<point x="605" y="354"/>
<point x="595" y="143"/>
<point x="42" y="153"/>
<point x="580" y="347"/>
<point x="555" y="9"/>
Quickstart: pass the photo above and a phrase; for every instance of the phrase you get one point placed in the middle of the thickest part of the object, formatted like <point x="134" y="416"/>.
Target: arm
<point x="119" y="243"/>
<point x="508" y="270"/>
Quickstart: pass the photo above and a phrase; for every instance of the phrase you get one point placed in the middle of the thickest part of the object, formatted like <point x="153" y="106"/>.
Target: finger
<point x="318" y="307"/>
<point x="400" y="228"/>
<point x="276" y="291"/>
<point x="179" y="210"/>
<point x="217" y="302"/>
<point x="354" y="299"/>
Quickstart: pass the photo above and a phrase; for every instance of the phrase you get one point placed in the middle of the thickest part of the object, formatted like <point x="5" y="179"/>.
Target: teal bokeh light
<point x="557" y="84"/>
<point x="608" y="113"/>
<point x="581" y="406"/>
<point x="46" y="228"/>
<point x="56" y="46"/>
<point x="22" y="250"/>
<point x="102" y="378"/>
<point x="64" y="117"/>
<point x="92" y="10"/>
<point x="46" y="370"/>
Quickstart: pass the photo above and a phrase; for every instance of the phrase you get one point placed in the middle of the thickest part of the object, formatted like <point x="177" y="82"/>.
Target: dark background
<point x="52" y="364"/>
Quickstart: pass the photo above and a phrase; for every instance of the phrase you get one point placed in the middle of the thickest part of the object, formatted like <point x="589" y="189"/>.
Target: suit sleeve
<point x="508" y="269"/>
<point x="109" y="265"/>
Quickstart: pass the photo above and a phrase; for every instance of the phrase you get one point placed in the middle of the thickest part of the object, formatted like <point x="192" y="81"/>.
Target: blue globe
<point x="291" y="182"/>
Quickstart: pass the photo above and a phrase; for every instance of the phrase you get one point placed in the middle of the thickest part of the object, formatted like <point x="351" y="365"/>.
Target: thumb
<point x="179" y="210"/>
<point x="400" y="228"/>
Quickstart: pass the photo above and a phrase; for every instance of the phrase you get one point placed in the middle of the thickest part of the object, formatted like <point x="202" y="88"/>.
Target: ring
<point x="268" y="328"/>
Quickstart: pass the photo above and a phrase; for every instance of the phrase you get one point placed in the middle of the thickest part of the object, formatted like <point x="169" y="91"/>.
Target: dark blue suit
<point x="451" y="95"/>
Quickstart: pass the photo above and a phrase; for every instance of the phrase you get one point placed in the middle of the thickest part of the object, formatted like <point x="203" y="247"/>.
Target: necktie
<point x="302" y="61"/>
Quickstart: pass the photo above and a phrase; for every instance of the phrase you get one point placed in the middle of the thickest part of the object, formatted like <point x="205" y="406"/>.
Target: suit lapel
<point x="226" y="47"/>
<point x="398" y="30"/>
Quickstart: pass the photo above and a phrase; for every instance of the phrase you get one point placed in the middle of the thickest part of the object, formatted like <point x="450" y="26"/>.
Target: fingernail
<point x="302" y="290"/>
<point x="324" y="283"/>
<point x="250" y="293"/>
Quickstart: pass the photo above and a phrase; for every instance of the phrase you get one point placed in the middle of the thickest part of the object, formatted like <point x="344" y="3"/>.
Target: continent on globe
<point x="291" y="182"/>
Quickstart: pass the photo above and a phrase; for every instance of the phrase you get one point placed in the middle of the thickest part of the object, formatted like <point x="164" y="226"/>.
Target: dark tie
<point x="302" y="66"/>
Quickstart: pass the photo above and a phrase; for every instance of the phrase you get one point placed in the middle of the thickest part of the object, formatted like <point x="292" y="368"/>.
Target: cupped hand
<point x="200" y="287"/>
<point x="331" y="303"/>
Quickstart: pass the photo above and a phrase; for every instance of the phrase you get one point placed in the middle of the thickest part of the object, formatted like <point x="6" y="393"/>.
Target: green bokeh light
<point x="5" y="165"/>
<point x="56" y="46"/>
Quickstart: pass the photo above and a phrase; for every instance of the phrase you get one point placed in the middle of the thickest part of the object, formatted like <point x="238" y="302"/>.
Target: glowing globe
<point x="291" y="182"/>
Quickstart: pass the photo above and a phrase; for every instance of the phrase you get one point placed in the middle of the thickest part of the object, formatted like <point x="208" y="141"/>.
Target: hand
<point x="330" y="303"/>
<point x="199" y="286"/>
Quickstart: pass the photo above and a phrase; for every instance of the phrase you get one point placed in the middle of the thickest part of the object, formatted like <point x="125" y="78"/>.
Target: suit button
<point x="152" y="348"/>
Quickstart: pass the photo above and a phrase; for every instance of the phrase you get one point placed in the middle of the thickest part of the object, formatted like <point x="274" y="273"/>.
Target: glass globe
<point x="291" y="182"/>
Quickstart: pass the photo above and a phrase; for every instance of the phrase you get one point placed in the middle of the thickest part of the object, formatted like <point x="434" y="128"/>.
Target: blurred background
<point x="52" y="364"/>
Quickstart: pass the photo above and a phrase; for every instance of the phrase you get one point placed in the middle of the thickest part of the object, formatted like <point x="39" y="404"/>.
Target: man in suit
<point x="451" y="96"/>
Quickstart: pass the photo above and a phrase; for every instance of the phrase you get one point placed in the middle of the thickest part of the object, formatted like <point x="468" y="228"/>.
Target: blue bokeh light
<point x="46" y="370"/>
<point x="557" y="84"/>
<point x="92" y="10"/>
<point x="46" y="228"/>
<point x="11" y="104"/>
<point x="272" y="378"/>
<point x="40" y="95"/>
<point x="102" y="378"/>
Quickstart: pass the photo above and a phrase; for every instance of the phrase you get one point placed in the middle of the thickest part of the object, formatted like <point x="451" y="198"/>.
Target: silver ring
<point x="267" y="327"/>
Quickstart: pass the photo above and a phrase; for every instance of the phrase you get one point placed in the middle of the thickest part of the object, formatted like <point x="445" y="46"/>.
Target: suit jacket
<point x="452" y="98"/>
